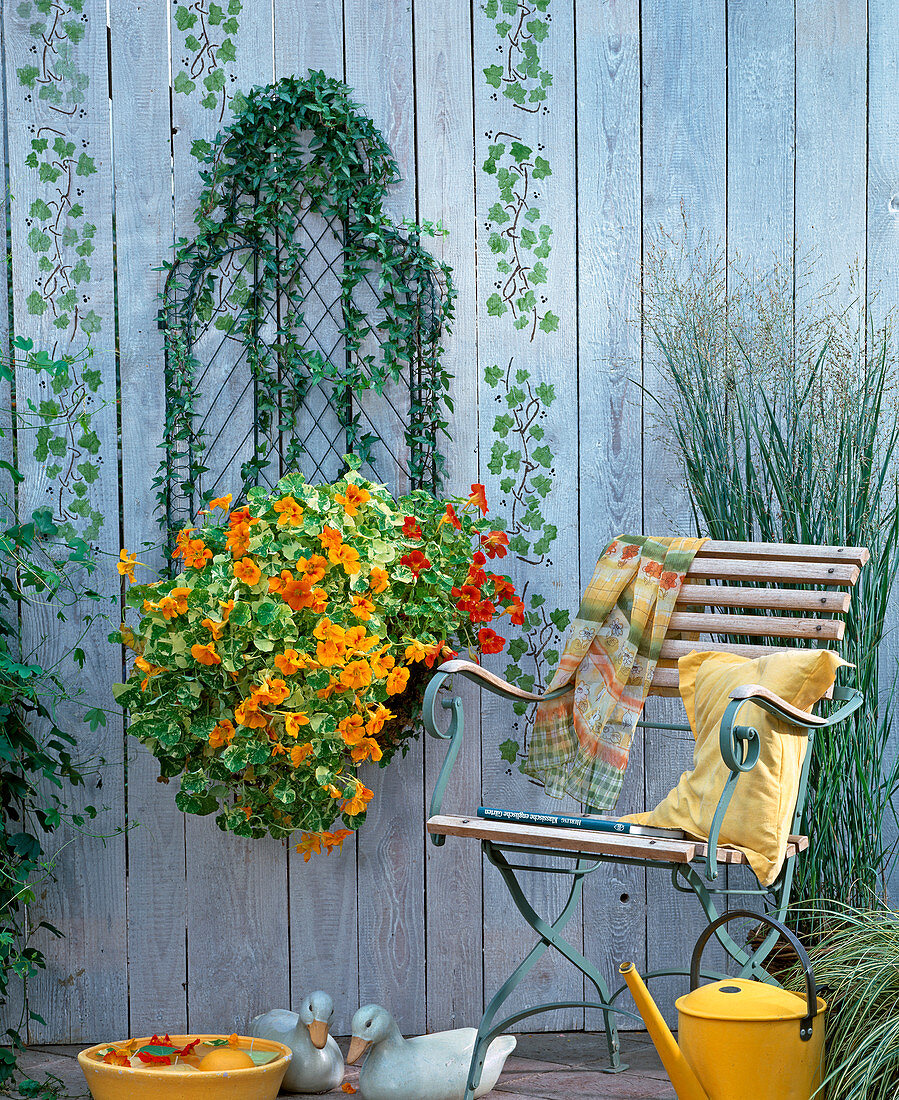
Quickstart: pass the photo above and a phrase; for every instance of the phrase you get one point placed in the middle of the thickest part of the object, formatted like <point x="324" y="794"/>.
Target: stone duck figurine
<point x="317" y="1064"/>
<point x="428" y="1067"/>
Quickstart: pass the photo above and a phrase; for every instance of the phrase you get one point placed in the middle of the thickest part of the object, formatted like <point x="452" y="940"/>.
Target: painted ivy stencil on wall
<point x="203" y="36"/>
<point x="59" y="231"/>
<point x="519" y="237"/>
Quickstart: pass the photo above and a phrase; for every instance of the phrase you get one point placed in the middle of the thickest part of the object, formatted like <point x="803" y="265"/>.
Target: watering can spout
<point x="686" y="1083"/>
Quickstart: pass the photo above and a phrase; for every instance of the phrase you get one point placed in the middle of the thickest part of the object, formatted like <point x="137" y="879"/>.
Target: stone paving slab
<point x="555" y="1066"/>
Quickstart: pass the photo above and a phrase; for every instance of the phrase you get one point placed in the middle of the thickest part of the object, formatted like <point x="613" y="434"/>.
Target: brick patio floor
<point x="543" y="1067"/>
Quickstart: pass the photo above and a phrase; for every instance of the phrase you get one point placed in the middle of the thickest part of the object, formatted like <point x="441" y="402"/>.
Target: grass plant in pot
<point x="295" y="644"/>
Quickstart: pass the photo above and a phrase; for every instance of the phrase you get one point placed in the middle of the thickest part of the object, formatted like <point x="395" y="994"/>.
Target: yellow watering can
<point x="739" y="1040"/>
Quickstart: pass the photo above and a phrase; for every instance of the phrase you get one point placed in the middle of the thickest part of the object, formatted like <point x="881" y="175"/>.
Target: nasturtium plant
<point x="295" y="643"/>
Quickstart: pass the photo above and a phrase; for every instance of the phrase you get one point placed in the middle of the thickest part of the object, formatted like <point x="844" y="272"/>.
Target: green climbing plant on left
<point x="46" y="558"/>
<point x="59" y="231"/>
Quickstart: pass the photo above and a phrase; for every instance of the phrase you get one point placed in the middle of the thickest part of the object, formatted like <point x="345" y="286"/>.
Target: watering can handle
<point x="805" y="1025"/>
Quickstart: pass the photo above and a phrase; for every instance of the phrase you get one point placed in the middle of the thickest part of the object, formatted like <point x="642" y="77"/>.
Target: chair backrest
<point x="740" y="590"/>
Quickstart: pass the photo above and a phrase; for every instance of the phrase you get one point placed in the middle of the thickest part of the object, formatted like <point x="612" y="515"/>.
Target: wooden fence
<point x="769" y="124"/>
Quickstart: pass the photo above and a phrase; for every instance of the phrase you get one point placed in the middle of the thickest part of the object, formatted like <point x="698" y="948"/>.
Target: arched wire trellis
<point x="301" y="323"/>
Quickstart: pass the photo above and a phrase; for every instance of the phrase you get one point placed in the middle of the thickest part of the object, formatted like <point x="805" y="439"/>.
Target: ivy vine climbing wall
<point x="516" y="170"/>
<point x="60" y="233"/>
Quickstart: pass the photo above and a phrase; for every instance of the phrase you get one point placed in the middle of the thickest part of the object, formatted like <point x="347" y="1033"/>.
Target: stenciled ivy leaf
<point x="509" y="749"/>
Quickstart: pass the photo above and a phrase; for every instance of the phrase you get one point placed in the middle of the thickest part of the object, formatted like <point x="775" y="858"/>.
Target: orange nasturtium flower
<point x="319" y="598"/>
<point x="348" y="557"/>
<point x="299" y="753"/>
<point x="246" y="570"/>
<point x="363" y="608"/>
<point x="354" y="498"/>
<point x="221" y="502"/>
<point x="376" y="720"/>
<point x="351" y="728"/>
<point x="290" y="512"/>
<point x="214" y="628"/>
<point x="397" y="680"/>
<point x="309" y="843"/>
<point x="126" y="564"/>
<point x="293" y="723"/>
<point x="416" y="651"/>
<point x="247" y="714"/>
<point x="116" y="1058"/>
<point x="196" y="554"/>
<point x="181" y="541"/>
<point x="356" y="675"/>
<point x="378" y="579"/>
<point x="289" y="662"/>
<point x="205" y="654"/>
<point x="381" y="662"/>
<point x="314" y="567"/>
<point x="357" y="803"/>
<point x="222" y="734"/>
<point x="356" y="638"/>
<point x="272" y="691"/>
<point x="330" y="539"/>
<point x="151" y="670"/>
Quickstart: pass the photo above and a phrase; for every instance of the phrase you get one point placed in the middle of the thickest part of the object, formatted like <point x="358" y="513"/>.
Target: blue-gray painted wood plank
<point x="610" y="410"/>
<point x="144" y="240"/>
<point x="445" y="156"/>
<point x="310" y="36"/>
<point x="546" y="130"/>
<point x="684" y="174"/>
<point x="380" y="69"/>
<point x="86" y="975"/>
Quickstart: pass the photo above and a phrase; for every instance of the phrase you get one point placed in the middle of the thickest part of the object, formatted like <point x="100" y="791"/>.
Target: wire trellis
<point x="301" y="323"/>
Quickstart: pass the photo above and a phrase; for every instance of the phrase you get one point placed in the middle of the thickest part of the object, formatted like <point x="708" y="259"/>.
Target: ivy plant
<point x="301" y="162"/>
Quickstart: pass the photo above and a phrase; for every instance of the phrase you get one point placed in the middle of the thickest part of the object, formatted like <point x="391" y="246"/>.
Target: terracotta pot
<point x="127" y="1083"/>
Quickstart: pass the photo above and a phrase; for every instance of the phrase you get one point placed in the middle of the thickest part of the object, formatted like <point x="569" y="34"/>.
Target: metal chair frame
<point x="740" y="747"/>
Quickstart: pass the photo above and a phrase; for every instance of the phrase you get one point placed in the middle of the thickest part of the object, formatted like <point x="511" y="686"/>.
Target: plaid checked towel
<point x="581" y="742"/>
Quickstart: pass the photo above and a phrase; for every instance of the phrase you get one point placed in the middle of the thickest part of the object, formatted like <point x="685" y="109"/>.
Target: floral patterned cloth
<point x="581" y="742"/>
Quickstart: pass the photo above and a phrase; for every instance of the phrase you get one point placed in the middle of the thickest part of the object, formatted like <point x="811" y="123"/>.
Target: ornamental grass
<point x="294" y="645"/>
<point x="783" y="420"/>
<point x="857" y="961"/>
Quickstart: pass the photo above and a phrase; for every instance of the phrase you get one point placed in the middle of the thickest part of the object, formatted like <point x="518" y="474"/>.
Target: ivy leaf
<point x="508" y="750"/>
<point x="227" y="52"/>
<point x="184" y="18"/>
<point x="215" y="81"/>
<point x="91" y="323"/>
<point x="496" y="242"/>
<point x="81" y="273"/>
<point x="538" y="273"/>
<point x="86" y="166"/>
<point x="544" y="456"/>
<point x="200" y="148"/>
<point x="210" y="103"/>
<point x="47" y="173"/>
<point x="538" y="29"/>
<point x="491" y="9"/>
<point x="546" y="393"/>
<point x="515" y="92"/>
<point x="560" y="619"/>
<point x="216" y="15"/>
<point x="492" y="375"/>
<point x="39" y="210"/>
<point x="541" y="168"/>
<point x="549" y="322"/>
<point x="183" y="84"/>
<point x="498" y="214"/>
<point x="27" y="75"/>
<point x="74" y="30"/>
<point x="35" y="304"/>
<point x="541" y="484"/>
<point x="519" y="151"/>
<point x="493" y="74"/>
<point x="38" y="241"/>
<point x="517" y="649"/>
<point x="496" y="307"/>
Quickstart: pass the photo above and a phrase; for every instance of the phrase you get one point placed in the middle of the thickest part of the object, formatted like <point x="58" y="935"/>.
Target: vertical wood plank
<point x="527" y="303"/>
<point x="142" y="170"/>
<point x="883" y="257"/>
<point x="684" y="174"/>
<point x="236" y="889"/>
<point x="328" y="959"/>
<point x="445" y="157"/>
<point x="831" y="136"/>
<point x="391" y="844"/>
<point x="56" y="87"/>
<point x="609" y="253"/>
<point x="761" y="67"/>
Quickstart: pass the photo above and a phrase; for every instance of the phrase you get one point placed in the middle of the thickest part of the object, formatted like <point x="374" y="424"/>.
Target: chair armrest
<point x="740" y="745"/>
<point x="454" y="733"/>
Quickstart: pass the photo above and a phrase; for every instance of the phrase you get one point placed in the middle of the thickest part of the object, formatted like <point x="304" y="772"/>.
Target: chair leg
<point x="550" y="936"/>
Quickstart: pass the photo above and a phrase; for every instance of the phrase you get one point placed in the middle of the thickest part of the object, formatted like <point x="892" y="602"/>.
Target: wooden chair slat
<point x="782" y="599"/>
<point x="855" y="555"/>
<point x="764" y="625"/>
<point x="665" y="849"/>
<point x="673" y="648"/>
<point x="801" y="572"/>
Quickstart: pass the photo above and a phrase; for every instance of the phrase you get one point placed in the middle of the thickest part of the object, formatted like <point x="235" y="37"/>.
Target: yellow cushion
<point x="760" y="814"/>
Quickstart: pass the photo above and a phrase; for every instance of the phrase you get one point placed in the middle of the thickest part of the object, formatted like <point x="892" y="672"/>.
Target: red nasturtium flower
<point x="516" y="612"/>
<point x="490" y="641"/>
<point x="478" y="497"/>
<point x="452" y="517"/>
<point x="410" y="528"/>
<point x="495" y="544"/>
<point x="416" y="561"/>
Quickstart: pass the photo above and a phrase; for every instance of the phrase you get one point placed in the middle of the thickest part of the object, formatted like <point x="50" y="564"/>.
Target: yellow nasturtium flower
<point x="126" y="564"/>
<point x="221" y="502"/>
<point x="205" y="654"/>
<point x="290" y="512"/>
<point x="353" y="499"/>
<point x="397" y="680"/>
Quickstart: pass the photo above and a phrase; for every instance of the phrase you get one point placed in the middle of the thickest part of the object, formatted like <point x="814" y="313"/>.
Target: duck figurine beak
<point x="318" y="1033"/>
<point x="357" y="1048"/>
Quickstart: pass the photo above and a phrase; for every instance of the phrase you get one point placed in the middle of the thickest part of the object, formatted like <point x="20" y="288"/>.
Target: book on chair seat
<point x="573" y="821"/>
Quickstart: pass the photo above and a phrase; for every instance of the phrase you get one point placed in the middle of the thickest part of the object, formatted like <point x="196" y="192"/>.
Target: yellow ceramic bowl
<point x="127" y="1083"/>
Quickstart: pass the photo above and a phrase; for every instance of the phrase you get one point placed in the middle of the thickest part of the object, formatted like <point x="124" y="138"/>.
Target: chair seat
<point x="662" y="849"/>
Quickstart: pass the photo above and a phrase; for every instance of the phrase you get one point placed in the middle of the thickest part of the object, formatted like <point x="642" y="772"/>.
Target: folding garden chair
<point x="735" y="592"/>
